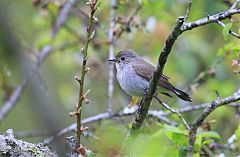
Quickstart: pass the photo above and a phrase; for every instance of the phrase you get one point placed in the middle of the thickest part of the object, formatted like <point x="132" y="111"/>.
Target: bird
<point x="134" y="75"/>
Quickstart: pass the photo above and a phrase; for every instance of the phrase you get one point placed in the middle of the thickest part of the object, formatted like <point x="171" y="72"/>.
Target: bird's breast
<point x="130" y="81"/>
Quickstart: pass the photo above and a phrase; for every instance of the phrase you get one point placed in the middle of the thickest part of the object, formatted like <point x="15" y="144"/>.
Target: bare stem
<point x="173" y="111"/>
<point x="231" y="32"/>
<point x="90" y="35"/>
<point x="189" y="5"/>
<point x="111" y="55"/>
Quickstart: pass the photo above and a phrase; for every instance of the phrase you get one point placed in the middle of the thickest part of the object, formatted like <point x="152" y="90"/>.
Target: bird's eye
<point x="122" y="58"/>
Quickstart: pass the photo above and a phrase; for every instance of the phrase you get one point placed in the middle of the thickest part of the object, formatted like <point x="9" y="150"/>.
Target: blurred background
<point x="203" y="61"/>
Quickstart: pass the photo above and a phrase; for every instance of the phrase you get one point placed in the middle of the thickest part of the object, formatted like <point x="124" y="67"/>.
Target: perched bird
<point x="134" y="75"/>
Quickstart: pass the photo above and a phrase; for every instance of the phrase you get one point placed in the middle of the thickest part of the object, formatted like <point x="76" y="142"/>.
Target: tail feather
<point x="182" y="95"/>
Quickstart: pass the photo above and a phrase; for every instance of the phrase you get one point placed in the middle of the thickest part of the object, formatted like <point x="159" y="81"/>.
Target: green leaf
<point x="176" y="135"/>
<point x="169" y="128"/>
<point x="226" y="30"/>
<point x="207" y="141"/>
<point x="198" y="144"/>
<point x="210" y="134"/>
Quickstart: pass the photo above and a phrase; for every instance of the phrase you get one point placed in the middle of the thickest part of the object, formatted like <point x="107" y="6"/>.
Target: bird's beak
<point x="112" y="60"/>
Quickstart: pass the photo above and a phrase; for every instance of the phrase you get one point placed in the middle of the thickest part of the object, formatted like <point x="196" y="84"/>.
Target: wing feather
<point x="146" y="71"/>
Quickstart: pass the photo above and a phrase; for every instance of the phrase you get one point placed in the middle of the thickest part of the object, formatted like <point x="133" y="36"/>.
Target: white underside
<point x="130" y="82"/>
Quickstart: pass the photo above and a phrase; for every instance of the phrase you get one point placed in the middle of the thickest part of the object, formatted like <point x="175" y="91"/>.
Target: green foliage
<point x="226" y="30"/>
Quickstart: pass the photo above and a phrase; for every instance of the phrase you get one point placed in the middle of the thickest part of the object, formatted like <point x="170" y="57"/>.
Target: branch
<point x="152" y="113"/>
<point x="146" y="101"/>
<point x="102" y="116"/>
<point x="200" y="119"/>
<point x="189" y="5"/>
<point x="231" y="32"/>
<point x="196" y="107"/>
<point x="13" y="99"/>
<point x="63" y="15"/>
<point x="235" y="4"/>
<point x="173" y="111"/>
<point x="111" y="54"/>
<point x="179" y="27"/>
<point x="210" y="19"/>
<point x="126" y="26"/>
<point x="11" y="102"/>
<point x="82" y="96"/>
<point x="10" y="146"/>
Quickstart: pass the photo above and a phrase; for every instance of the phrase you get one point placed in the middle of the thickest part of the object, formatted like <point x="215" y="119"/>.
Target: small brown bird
<point x="134" y="75"/>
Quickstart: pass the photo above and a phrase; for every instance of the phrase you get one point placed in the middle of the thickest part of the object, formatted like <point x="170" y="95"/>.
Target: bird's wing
<point x="146" y="71"/>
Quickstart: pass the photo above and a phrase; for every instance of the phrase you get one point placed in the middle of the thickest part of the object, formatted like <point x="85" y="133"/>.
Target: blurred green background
<point x="25" y="28"/>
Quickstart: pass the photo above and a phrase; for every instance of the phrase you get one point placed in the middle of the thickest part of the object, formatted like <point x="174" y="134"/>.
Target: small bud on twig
<point x="73" y="113"/>
<point x="78" y="79"/>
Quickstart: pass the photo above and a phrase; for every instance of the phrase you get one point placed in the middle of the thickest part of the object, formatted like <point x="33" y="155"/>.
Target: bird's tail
<point x="181" y="94"/>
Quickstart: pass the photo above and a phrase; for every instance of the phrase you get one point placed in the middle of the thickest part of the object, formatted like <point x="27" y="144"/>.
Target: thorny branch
<point x="200" y="119"/>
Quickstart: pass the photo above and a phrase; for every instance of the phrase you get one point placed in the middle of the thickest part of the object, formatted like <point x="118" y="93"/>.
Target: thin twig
<point x="128" y="22"/>
<point x="111" y="55"/>
<point x="103" y="116"/>
<point x="82" y="95"/>
<point x="196" y="107"/>
<point x="210" y="19"/>
<point x="63" y="15"/>
<point x="231" y="32"/>
<point x="179" y="27"/>
<point x="200" y="119"/>
<point x="153" y="113"/>
<point x="173" y="111"/>
<point x="189" y="4"/>
<point x="235" y="4"/>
